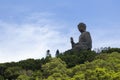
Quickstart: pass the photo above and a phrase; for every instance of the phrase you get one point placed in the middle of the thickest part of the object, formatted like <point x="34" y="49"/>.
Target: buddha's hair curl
<point x="82" y="25"/>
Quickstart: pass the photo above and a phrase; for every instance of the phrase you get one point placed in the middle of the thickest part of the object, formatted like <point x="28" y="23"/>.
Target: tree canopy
<point x="70" y="65"/>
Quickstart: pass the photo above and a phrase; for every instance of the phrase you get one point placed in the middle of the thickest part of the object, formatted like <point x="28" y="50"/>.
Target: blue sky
<point x="29" y="27"/>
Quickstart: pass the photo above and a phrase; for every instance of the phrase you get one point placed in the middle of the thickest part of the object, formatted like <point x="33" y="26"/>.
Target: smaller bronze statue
<point x="85" y="41"/>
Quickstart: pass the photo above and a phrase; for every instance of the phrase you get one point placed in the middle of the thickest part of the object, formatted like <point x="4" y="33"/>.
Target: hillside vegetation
<point x="70" y="65"/>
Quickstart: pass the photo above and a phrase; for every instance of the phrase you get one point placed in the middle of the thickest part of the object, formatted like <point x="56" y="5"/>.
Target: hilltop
<point x="70" y="65"/>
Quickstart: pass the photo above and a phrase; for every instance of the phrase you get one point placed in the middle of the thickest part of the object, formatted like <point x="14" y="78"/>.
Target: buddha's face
<point x="81" y="28"/>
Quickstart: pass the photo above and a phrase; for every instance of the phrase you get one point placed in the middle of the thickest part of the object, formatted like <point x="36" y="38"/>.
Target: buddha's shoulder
<point x="86" y="32"/>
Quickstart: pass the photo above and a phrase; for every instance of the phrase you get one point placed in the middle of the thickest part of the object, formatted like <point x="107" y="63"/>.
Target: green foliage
<point x="37" y="75"/>
<point x="28" y="64"/>
<point x="56" y="65"/>
<point x="73" y="58"/>
<point x="12" y="72"/>
<point x="58" y="76"/>
<point x="23" y="77"/>
<point x="100" y="69"/>
<point x="70" y="65"/>
<point x="1" y="77"/>
<point x="110" y="50"/>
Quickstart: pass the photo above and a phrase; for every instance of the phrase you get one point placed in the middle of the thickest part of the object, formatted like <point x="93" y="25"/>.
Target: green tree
<point x="37" y="75"/>
<point x="28" y="64"/>
<point x="12" y="72"/>
<point x="56" y="65"/>
<point x="72" y="57"/>
<point x="23" y="77"/>
<point x="1" y="77"/>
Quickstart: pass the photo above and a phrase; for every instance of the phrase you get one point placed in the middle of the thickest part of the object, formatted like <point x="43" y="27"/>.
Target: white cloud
<point x="31" y="39"/>
<point x="106" y="36"/>
<point x="40" y="32"/>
